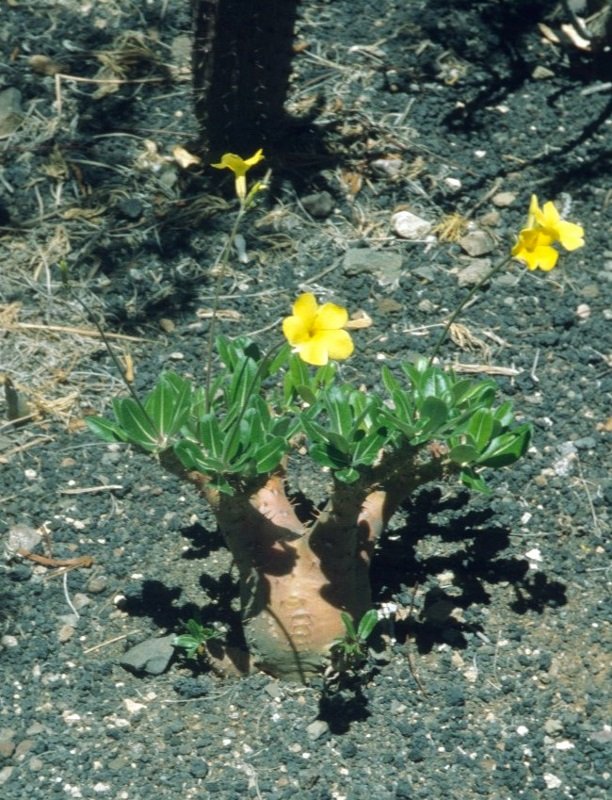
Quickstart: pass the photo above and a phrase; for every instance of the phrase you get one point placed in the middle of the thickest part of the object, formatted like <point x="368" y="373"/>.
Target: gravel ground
<point x="497" y="683"/>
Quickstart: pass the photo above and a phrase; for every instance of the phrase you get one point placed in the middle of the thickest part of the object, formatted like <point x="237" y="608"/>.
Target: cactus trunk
<point x="295" y="580"/>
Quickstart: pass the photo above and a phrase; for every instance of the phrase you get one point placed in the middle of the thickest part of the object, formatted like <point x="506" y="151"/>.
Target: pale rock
<point x="20" y="537"/>
<point x="408" y="226"/>
<point x="503" y="199"/>
<point x="491" y="219"/>
<point x="11" y="115"/>
<point x="478" y="243"/>
<point x="389" y="167"/>
<point x="316" y="729"/>
<point x="542" y="73"/>
<point x="5" y="774"/>
<point x="132" y="707"/>
<point x="65" y="633"/>
<point x="475" y="272"/>
<point x="453" y="184"/>
<point x="551" y="781"/>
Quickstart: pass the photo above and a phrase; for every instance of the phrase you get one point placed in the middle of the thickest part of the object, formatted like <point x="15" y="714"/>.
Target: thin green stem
<point x="463" y="303"/>
<point x="219" y="268"/>
<point x="89" y="313"/>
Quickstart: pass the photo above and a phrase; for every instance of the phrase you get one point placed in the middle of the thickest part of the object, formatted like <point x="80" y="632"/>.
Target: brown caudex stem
<point x="296" y="578"/>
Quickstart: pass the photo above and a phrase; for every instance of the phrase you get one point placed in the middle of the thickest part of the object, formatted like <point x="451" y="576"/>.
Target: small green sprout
<point x="351" y="651"/>
<point x="194" y="641"/>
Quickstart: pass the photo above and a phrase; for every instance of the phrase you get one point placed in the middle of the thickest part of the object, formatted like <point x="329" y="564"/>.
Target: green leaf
<point x="507" y="448"/>
<point x="306" y="394"/>
<point x="395" y="423"/>
<point x="389" y="380"/>
<point x="367" y="449"/>
<point x="349" y="625"/>
<point x="416" y="372"/>
<point x="480" y="427"/>
<point x="228" y="351"/>
<point x="340" y="412"/>
<point x="327" y="456"/>
<point x="338" y="442"/>
<point x="367" y="624"/>
<point x="243" y="384"/>
<point x="284" y="426"/>
<point x="136" y="424"/>
<point x="191" y="457"/>
<point x="473" y="481"/>
<point x="435" y="384"/>
<point x="312" y="429"/>
<point x="269" y="456"/>
<point x="169" y="404"/>
<point x="504" y="414"/>
<point x="476" y="393"/>
<point x="347" y="475"/>
<point x="279" y="360"/>
<point x="325" y="376"/>
<point x="211" y="436"/>
<point x="435" y="412"/>
<point x="105" y="429"/>
<point x="463" y="454"/>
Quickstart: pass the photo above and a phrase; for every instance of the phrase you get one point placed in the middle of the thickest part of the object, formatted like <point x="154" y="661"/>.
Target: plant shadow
<point x="441" y="614"/>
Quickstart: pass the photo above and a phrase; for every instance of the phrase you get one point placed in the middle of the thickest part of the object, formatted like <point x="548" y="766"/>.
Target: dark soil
<point x="496" y="685"/>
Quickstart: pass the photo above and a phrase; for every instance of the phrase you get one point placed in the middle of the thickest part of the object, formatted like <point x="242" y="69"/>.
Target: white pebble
<point x="409" y="226"/>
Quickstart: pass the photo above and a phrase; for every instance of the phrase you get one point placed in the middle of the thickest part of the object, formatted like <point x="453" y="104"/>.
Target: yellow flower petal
<point x="534" y="249"/>
<point x="316" y="332"/>
<point x="571" y="235"/>
<point x="330" y="317"/>
<point x="339" y="344"/>
<point x="314" y="351"/>
<point x="544" y="258"/>
<point x="534" y="211"/>
<point x="255" y="158"/>
<point x="239" y="166"/>
<point x="549" y="217"/>
<point x="295" y="331"/>
<point x="305" y="307"/>
<point x="233" y="162"/>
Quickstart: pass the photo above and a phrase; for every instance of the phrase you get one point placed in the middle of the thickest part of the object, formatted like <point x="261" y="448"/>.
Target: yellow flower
<point x="316" y="332"/>
<point x="547" y="219"/>
<point x="534" y="248"/>
<point x="544" y="228"/>
<point x="239" y="166"/>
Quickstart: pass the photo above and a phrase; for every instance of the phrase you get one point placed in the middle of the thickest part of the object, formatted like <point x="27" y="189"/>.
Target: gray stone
<point x="317" y="729"/>
<point x="97" y="584"/>
<point x="150" y="657"/>
<point x="390" y="167"/>
<point x="386" y="265"/>
<point x="476" y="271"/>
<point x="503" y="199"/>
<point x="7" y="748"/>
<point x="5" y="774"/>
<point x="478" y="243"/>
<point x="319" y="205"/>
<point x="542" y="73"/>
<point x="10" y="111"/>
